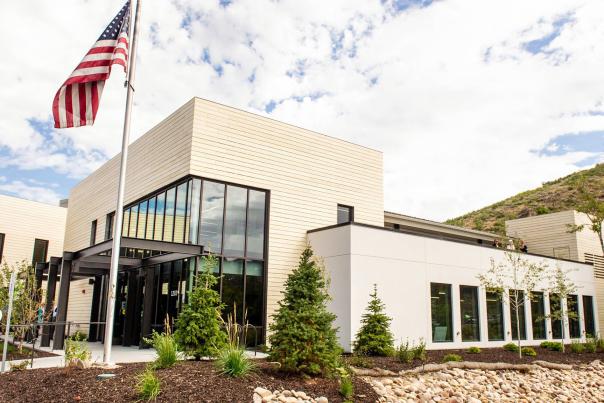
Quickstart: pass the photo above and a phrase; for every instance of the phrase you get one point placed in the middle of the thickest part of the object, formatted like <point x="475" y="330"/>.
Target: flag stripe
<point x="82" y="109"/>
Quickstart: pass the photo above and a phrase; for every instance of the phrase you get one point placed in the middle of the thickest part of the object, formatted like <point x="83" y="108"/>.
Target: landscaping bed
<point x="485" y="355"/>
<point x="187" y="381"/>
<point x="14" y="354"/>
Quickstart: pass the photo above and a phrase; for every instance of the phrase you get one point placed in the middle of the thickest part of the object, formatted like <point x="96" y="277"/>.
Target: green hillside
<point x="551" y="197"/>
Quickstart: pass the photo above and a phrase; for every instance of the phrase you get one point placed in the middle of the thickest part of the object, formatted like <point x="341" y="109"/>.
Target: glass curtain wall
<point x="442" y="318"/>
<point x="228" y="220"/>
<point x="538" y="316"/>
<point x="470" y="320"/>
<point x="495" y="321"/>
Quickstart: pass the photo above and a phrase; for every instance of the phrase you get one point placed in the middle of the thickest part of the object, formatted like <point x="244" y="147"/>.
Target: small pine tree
<point x="198" y="327"/>
<point x="375" y="337"/>
<point x="303" y="339"/>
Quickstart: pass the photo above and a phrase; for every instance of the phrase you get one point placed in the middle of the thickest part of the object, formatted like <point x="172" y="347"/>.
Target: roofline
<point x="32" y="201"/>
<point x="543" y="215"/>
<point x="443" y="225"/>
<point x="376" y="227"/>
<point x="289" y="124"/>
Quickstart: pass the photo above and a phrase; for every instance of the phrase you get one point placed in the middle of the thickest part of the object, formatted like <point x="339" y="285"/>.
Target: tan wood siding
<point x="80" y="305"/>
<point x="22" y="221"/>
<point x="156" y="159"/>
<point x="307" y="173"/>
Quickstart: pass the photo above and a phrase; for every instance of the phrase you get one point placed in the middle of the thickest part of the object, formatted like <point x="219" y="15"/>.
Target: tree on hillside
<point x="561" y="286"/>
<point x="514" y="280"/>
<point x="593" y="208"/>
<point x="199" y="326"/>
<point x="303" y="339"/>
<point x="374" y="336"/>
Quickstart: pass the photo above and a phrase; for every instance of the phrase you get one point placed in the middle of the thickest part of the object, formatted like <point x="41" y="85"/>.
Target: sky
<point x="471" y="101"/>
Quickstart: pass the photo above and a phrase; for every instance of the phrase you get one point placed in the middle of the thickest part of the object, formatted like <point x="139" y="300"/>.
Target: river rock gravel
<point x="584" y="383"/>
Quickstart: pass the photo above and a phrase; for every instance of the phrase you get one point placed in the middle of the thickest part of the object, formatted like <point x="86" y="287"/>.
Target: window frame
<point x="46" y="243"/>
<point x="93" y="228"/>
<point x="2" y="239"/>
<point x="350" y="213"/>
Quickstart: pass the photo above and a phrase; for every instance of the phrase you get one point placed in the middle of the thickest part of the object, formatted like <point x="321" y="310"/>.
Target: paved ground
<point x="581" y="384"/>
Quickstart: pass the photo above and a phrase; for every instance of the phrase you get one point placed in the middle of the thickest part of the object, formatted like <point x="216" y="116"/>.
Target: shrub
<point x="419" y="351"/>
<point x="148" y="385"/>
<point x="76" y="350"/>
<point x="374" y="336"/>
<point x="513" y="347"/>
<point x="360" y="361"/>
<point x="198" y="327"/>
<point x="303" y="339"/>
<point x="529" y="352"/>
<point x="404" y="353"/>
<point x="600" y="344"/>
<point x="590" y="345"/>
<point x="545" y="344"/>
<point x="474" y="350"/>
<point x="577" y="347"/>
<point x="22" y="366"/>
<point x="79" y="336"/>
<point x="165" y="347"/>
<point x="346" y="386"/>
<point x="232" y="361"/>
<point x="555" y="346"/>
<point x="452" y="357"/>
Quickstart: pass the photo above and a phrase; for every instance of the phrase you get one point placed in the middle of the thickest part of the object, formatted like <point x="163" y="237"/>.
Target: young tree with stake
<point x="514" y="280"/>
<point x="561" y="285"/>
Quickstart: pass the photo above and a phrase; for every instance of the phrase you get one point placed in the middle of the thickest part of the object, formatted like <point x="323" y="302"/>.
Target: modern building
<point x="254" y="191"/>
<point x="549" y="235"/>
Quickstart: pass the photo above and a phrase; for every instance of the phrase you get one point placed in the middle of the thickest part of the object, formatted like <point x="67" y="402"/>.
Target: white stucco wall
<point x="403" y="266"/>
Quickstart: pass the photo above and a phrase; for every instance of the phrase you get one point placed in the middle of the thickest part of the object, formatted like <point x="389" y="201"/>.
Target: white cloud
<point x="37" y="192"/>
<point x="457" y="131"/>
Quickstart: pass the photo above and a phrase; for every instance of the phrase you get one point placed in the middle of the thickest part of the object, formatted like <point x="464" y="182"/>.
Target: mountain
<point x="551" y="197"/>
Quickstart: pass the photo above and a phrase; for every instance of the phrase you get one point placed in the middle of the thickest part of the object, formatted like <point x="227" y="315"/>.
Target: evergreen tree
<point x="303" y="339"/>
<point x="375" y="337"/>
<point x="198" y="327"/>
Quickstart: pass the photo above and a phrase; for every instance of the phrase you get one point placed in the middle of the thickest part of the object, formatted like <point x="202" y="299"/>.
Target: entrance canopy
<point x="96" y="260"/>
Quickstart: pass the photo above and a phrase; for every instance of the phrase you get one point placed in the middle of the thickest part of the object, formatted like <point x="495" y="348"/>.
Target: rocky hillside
<point x="558" y="195"/>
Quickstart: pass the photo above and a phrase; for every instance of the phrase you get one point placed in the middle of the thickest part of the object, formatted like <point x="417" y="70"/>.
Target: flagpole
<point x="119" y="210"/>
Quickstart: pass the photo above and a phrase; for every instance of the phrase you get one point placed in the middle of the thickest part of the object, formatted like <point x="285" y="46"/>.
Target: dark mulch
<point x="486" y="355"/>
<point x="14" y="354"/>
<point x="188" y="381"/>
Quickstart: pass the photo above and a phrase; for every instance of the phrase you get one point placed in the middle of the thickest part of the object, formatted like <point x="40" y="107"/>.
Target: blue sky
<point x="454" y="92"/>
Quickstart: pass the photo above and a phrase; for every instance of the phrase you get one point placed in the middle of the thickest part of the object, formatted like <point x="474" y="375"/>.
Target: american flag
<point x="77" y="101"/>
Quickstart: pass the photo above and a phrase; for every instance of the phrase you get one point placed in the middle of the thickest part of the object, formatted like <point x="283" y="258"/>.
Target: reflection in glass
<point x="133" y="221"/>
<point x="211" y="216"/>
<point x="344" y="214"/>
<point x="150" y="218"/>
<point x="232" y="287"/>
<point x="442" y="321"/>
<point x="126" y="222"/>
<point x="572" y="306"/>
<point x="255" y="225"/>
<point x="253" y="291"/>
<point x="142" y="220"/>
<point x="159" y="216"/>
<point x="470" y="320"/>
<point x="234" y="222"/>
<point x="521" y="315"/>
<point x="555" y="309"/>
<point x="194" y="211"/>
<point x="538" y="316"/>
<point x="179" y="218"/>
<point x="169" y="215"/>
<point x="588" y="315"/>
<point x="495" y="317"/>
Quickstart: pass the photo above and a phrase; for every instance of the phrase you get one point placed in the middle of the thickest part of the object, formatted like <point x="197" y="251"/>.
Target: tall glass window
<point x="169" y="215"/>
<point x="254" y="291"/>
<point x="470" y="319"/>
<point x="181" y="209"/>
<point x="195" y="202"/>
<point x="142" y="219"/>
<point x="572" y="306"/>
<point x="588" y="315"/>
<point x="442" y="318"/>
<point x="150" y="218"/>
<point x="126" y="222"/>
<point x="495" y="321"/>
<point x="521" y="315"/>
<point x="234" y="221"/>
<point x="345" y="214"/>
<point x="160" y="207"/>
<point x="40" y="251"/>
<point x="212" y="214"/>
<point x="1" y="245"/>
<point x="555" y="308"/>
<point x="133" y="221"/>
<point x="255" y="224"/>
<point x="109" y="226"/>
<point x="232" y="286"/>
<point x="538" y="316"/>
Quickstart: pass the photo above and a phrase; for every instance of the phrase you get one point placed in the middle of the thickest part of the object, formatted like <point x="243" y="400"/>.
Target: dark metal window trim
<point x="45" y="241"/>
<point x="109" y="222"/>
<point x="350" y="212"/>
<point x="93" y="227"/>
<point x="2" y="239"/>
